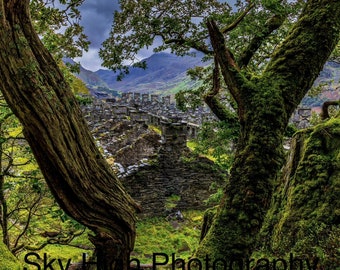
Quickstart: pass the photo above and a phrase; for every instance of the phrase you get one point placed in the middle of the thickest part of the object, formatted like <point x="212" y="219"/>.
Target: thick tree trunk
<point x="76" y="172"/>
<point x="265" y="105"/>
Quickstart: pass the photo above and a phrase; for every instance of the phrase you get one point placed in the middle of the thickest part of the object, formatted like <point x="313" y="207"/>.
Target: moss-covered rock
<point x="305" y="213"/>
<point x="7" y="259"/>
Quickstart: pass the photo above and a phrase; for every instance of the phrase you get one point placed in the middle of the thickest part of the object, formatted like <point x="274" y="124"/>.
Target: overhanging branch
<point x="190" y="43"/>
<point x="216" y="106"/>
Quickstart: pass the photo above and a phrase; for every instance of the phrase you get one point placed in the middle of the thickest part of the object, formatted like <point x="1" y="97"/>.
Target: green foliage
<point x="172" y="201"/>
<point x="290" y="130"/>
<point x="209" y="143"/>
<point x="27" y="209"/>
<point x="216" y="197"/>
<point x="188" y="99"/>
<point x="58" y="24"/>
<point x="59" y="27"/>
<point x="138" y="24"/>
<point x="155" y="129"/>
<point x="84" y="100"/>
<point x="193" y="97"/>
<point x="336" y="54"/>
<point x="181" y="28"/>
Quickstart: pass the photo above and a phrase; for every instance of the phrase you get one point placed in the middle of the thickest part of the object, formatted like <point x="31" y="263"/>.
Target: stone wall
<point x="301" y="117"/>
<point x="101" y="111"/>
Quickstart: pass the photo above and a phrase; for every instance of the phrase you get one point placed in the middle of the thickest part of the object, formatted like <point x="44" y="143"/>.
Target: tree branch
<point x="270" y="26"/>
<point x="31" y="212"/>
<point x="213" y="102"/>
<point x="78" y="175"/>
<point x="239" y="19"/>
<point x="305" y="50"/>
<point x="190" y="43"/>
<point x="226" y="61"/>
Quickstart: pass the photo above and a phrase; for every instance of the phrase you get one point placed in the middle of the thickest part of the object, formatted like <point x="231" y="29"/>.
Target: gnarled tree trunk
<point x="76" y="172"/>
<point x="265" y="104"/>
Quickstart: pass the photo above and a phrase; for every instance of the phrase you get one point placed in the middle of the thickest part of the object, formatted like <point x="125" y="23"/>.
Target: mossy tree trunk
<point x="76" y="172"/>
<point x="265" y="104"/>
<point x="304" y="215"/>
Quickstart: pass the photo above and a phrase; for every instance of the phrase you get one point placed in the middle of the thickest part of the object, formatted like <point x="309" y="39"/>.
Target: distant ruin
<point x="152" y="109"/>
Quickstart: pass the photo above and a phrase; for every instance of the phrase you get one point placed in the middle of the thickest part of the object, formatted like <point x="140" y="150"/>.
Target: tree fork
<point x="77" y="174"/>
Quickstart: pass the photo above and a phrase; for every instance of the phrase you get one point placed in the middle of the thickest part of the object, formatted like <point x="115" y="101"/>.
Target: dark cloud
<point x="97" y="17"/>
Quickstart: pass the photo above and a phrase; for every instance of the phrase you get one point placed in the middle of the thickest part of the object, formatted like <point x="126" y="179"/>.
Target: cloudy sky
<point x="97" y="17"/>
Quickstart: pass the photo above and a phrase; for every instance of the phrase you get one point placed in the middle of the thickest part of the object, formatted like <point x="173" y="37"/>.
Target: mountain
<point x="165" y="72"/>
<point x="90" y="78"/>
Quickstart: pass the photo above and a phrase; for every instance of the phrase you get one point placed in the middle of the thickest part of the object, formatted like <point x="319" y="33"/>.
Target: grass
<point x="159" y="235"/>
<point x="155" y="129"/>
<point x="154" y="235"/>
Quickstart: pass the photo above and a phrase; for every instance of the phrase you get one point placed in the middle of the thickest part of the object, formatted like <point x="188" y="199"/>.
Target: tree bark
<point x="76" y="172"/>
<point x="265" y="104"/>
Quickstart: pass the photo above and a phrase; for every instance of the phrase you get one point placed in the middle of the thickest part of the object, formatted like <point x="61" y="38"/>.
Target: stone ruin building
<point x="158" y="168"/>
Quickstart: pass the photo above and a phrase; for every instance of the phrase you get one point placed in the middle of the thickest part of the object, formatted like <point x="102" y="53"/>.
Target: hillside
<point x="164" y="72"/>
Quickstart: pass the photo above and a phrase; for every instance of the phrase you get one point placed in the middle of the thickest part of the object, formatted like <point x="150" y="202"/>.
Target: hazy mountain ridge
<point x="166" y="73"/>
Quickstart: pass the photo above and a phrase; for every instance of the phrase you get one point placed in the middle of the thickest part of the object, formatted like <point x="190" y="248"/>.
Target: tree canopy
<point x="250" y="28"/>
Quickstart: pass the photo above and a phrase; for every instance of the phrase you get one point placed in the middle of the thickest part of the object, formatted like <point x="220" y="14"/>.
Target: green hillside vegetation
<point x="7" y="259"/>
<point x="27" y="208"/>
<point x="28" y="211"/>
<point x="78" y="86"/>
<point x="159" y="235"/>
